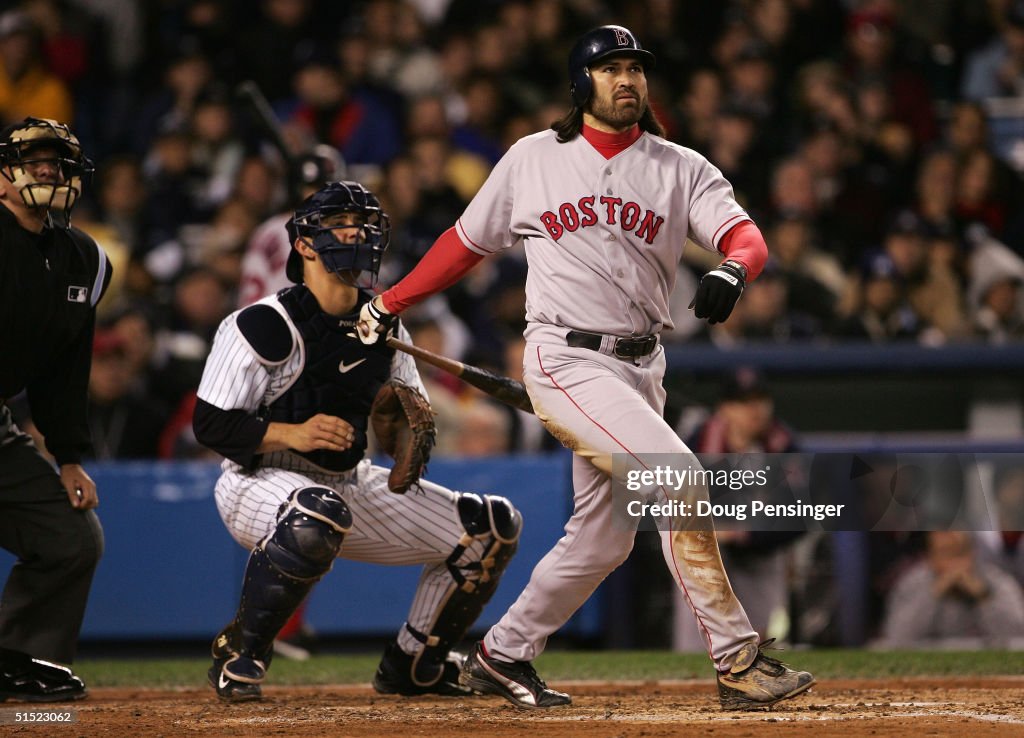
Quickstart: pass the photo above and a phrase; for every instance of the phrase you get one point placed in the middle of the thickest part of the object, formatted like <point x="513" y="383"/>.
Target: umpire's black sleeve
<point x="234" y="434"/>
<point x="58" y="400"/>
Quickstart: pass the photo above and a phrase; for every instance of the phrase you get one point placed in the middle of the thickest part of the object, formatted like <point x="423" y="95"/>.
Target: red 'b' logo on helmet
<point x="621" y="37"/>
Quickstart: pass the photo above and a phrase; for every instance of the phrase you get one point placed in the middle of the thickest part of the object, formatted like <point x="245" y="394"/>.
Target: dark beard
<point x="609" y="114"/>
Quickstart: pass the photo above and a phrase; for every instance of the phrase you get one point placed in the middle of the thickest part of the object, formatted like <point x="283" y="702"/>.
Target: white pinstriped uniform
<point x="603" y="238"/>
<point x="419" y="527"/>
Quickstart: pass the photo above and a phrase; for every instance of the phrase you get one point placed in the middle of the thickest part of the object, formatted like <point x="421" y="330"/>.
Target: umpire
<point x="51" y="278"/>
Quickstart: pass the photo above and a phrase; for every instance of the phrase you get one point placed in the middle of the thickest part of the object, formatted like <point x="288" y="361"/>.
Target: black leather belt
<point x="625" y="348"/>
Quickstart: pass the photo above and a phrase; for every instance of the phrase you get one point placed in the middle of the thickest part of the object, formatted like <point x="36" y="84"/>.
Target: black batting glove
<point x="718" y="291"/>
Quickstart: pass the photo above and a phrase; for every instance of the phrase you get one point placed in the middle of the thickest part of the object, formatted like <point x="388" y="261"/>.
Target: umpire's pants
<point x="57" y="546"/>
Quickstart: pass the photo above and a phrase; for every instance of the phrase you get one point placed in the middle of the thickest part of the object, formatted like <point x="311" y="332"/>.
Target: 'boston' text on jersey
<point x="584" y="214"/>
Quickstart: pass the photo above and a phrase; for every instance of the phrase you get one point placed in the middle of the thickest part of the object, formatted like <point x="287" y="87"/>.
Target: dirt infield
<point x="983" y="706"/>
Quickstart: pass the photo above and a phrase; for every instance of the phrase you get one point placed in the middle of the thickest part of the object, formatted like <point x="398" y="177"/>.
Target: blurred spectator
<point x="479" y="132"/>
<point x="989" y="190"/>
<point x="698" y="109"/>
<point x="266" y="49"/>
<point x="872" y="55"/>
<point x="423" y="96"/>
<point x="816" y="281"/>
<point x="997" y="70"/>
<point x="750" y="76"/>
<point x="262" y="268"/>
<point x="258" y="187"/>
<point x="27" y="87"/>
<point x="732" y="147"/>
<point x="995" y="289"/>
<point x="397" y="55"/>
<point x="69" y="37"/>
<point x="124" y="422"/>
<point x="187" y="72"/>
<point x="744" y="422"/>
<point x="884" y="312"/>
<point x="967" y="129"/>
<point x="464" y="170"/>
<point x="483" y="430"/>
<point x="168" y="202"/>
<point x="936" y="190"/>
<point x="765" y="314"/>
<point x="444" y="390"/>
<point x="219" y="245"/>
<point x="526" y="432"/>
<point x="132" y="323"/>
<point x="217" y="153"/>
<point x="953" y="595"/>
<point x="1004" y="546"/>
<point x="792" y="189"/>
<point x="120" y="197"/>
<point x="200" y="301"/>
<point x="977" y="198"/>
<point x="356" y="122"/>
<point x="932" y="287"/>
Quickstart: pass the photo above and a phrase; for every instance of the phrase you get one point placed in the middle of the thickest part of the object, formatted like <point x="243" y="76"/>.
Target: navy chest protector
<point x="340" y="375"/>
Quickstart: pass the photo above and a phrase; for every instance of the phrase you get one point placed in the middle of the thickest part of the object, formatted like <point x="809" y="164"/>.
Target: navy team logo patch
<point x="78" y="294"/>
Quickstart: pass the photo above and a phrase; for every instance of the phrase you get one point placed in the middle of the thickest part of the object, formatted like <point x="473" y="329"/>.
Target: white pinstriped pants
<point x="420" y="527"/>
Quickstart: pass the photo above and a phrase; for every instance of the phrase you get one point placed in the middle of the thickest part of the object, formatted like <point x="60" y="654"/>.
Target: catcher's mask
<point x="316" y="221"/>
<point x="23" y="145"/>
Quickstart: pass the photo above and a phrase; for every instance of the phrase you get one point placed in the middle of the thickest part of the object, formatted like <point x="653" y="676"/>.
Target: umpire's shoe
<point x="34" y="680"/>
<point x="757" y="681"/>
<point x="237" y="678"/>
<point x="516" y="681"/>
<point x="394" y="675"/>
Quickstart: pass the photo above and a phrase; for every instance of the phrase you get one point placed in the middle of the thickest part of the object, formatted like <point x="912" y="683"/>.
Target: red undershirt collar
<point x="610" y="144"/>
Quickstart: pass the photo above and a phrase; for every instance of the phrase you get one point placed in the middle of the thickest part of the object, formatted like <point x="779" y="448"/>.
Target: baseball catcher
<point x="288" y="395"/>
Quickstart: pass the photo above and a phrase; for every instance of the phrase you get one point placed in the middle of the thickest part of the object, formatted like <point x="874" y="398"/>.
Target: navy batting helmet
<point x="312" y="223"/>
<point x="592" y="47"/>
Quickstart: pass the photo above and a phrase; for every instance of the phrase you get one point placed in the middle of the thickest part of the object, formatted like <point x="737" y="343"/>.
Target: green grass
<point x="574" y="665"/>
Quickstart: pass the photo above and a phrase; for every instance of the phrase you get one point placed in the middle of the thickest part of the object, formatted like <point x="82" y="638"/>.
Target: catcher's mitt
<point x="404" y="424"/>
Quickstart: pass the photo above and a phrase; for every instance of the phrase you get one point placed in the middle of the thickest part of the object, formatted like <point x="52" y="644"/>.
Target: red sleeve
<point x="443" y="265"/>
<point x="745" y="244"/>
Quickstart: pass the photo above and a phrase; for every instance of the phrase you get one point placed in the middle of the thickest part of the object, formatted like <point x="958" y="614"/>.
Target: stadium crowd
<point x="877" y="143"/>
<point x="864" y="136"/>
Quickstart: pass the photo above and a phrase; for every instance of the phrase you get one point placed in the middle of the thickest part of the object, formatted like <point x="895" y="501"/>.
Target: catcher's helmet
<point x="595" y="45"/>
<point x="19" y="144"/>
<point x="311" y="223"/>
<point x="318" y="167"/>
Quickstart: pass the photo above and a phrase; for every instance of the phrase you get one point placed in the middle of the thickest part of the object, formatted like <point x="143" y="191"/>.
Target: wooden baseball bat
<point x="251" y="94"/>
<point x="501" y="388"/>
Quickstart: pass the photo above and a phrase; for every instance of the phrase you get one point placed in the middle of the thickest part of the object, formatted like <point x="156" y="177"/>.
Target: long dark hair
<point x="569" y="126"/>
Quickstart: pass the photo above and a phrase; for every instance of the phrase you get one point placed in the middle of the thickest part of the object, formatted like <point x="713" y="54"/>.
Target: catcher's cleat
<point x="394" y="675"/>
<point x="516" y="681"/>
<point x="27" y="679"/>
<point x="237" y="678"/>
<point x="757" y="681"/>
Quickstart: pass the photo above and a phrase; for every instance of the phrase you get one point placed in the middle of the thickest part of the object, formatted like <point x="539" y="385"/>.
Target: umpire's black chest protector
<point x="340" y="375"/>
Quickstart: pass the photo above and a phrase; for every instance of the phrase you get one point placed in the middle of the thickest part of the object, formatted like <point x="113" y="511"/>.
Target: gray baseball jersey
<point x="420" y="527"/>
<point x="602" y="237"/>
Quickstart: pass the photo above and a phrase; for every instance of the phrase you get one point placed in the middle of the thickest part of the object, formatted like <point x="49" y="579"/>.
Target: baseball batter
<point x="286" y="396"/>
<point x="604" y="205"/>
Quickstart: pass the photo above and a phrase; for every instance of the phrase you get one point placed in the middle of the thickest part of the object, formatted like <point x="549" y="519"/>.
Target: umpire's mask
<point x="33" y="142"/>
